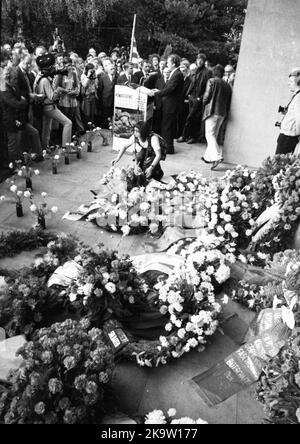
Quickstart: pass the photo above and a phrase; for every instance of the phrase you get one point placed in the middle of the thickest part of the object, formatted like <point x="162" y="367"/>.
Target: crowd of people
<point x="52" y="90"/>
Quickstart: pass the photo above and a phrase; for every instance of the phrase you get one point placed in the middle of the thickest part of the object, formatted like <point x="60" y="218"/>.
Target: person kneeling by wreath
<point x="148" y="154"/>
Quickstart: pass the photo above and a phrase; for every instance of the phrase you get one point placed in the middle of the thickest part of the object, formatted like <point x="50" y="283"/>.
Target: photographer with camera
<point x="44" y="86"/>
<point x="290" y="125"/>
<point x="88" y="93"/>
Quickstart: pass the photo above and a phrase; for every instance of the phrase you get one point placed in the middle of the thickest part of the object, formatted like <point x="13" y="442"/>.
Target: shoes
<point x="181" y="140"/>
<point x="216" y="164"/>
<point x="205" y="161"/>
<point x="191" y="141"/>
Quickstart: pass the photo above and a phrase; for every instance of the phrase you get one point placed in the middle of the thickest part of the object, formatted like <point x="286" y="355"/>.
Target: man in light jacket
<point x="216" y="100"/>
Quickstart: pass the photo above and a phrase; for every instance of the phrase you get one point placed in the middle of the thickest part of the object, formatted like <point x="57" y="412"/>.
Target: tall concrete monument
<point x="270" y="49"/>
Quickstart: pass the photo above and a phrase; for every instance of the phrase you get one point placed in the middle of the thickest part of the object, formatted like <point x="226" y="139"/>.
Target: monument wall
<point x="270" y="48"/>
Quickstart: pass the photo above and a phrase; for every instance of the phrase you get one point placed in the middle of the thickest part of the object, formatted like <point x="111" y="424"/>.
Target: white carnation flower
<point x="156" y="417"/>
<point x="181" y="333"/>
<point x="13" y="188"/>
<point x="126" y="230"/>
<point x="110" y="287"/>
<point x="172" y="412"/>
<point x="54" y="210"/>
<point x="73" y="297"/>
<point x="33" y="208"/>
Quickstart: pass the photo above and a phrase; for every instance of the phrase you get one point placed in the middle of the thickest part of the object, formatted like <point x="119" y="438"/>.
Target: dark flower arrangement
<point x="65" y="378"/>
<point x="279" y="387"/>
<point x="263" y="189"/>
<point x="28" y="304"/>
<point x="15" y="242"/>
<point x="287" y="195"/>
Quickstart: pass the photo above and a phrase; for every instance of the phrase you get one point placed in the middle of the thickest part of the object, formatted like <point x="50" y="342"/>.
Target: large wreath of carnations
<point x="187" y="299"/>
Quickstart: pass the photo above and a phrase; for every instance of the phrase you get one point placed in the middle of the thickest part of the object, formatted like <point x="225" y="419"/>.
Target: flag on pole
<point x="134" y="54"/>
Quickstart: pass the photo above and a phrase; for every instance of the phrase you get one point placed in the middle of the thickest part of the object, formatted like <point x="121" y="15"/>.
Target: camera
<point x="282" y="109"/>
<point x="92" y="75"/>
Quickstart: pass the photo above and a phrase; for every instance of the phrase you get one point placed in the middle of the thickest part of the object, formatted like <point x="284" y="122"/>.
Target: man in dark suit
<point x="184" y="101"/>
<point x="106" y="92"/>
<point x="146" y="77"/>
<point x="195" y="94"/>
<point x="127" y="76"/>
<point x="25" y="83"/>
<point x="170" y="96"/>
<point x="160" y="85"/>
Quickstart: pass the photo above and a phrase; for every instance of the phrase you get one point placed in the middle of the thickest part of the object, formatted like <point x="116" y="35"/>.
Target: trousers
<point x="168" y="129"/>
<point x="212" y="129"/>
<point x="73" y="113"/>
<point x="15" y="142"/>
<point x="192" y="127"/>
<point x="58" y="116"/>
<point x="286" y="144"/>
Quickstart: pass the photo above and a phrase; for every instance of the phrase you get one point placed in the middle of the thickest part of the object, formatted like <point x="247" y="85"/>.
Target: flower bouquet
<point x="69" y="149"/>
<point x="41" y="210"/>
<point x="106" y="285"/>
<point x="65" y="378"/>
<point x="26" y="170"/>
<point x="185" y="199"/>
<point x="19" y="196"/>
<point x="54" y="154"/>
<point x="231" y="217"/>
<point x="279" y="387"/>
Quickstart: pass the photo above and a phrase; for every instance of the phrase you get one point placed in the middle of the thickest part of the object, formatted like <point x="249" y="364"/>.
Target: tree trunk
<point x="20" y="21"/>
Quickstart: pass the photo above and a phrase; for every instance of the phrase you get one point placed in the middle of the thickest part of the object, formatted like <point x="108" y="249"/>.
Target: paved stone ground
<point x="140" y="390"/>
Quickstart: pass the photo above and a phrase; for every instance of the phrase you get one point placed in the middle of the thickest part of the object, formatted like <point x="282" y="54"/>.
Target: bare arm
<point x="121" y="153"/>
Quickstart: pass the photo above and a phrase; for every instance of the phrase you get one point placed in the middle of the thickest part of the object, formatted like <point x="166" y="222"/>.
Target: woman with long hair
<point x="147" y="151"/>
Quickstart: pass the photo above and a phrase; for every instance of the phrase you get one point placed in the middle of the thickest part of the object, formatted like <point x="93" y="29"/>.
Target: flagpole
<point x="132" y="37"/>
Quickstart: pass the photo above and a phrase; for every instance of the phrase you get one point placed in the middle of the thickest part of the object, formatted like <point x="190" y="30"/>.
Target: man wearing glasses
<point x="290" y="125"/>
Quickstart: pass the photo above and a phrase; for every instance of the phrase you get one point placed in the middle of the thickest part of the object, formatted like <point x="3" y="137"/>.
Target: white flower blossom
<point x="110" y="287"/>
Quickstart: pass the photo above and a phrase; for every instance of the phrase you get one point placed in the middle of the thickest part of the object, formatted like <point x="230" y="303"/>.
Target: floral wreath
<point x="187" y="297"/>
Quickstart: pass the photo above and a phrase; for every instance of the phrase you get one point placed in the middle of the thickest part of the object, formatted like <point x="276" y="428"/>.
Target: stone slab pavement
<point x="140" y="390"/>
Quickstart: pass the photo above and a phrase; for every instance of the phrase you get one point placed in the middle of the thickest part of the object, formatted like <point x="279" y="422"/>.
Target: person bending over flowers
<point x="147" y="153"/>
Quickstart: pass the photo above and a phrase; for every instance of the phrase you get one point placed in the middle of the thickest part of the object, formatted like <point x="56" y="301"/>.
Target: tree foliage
<point x="213" y="26"/>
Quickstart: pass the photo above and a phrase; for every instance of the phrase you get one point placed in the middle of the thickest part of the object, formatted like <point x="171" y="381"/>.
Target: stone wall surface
<point x="270" y="49"/>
